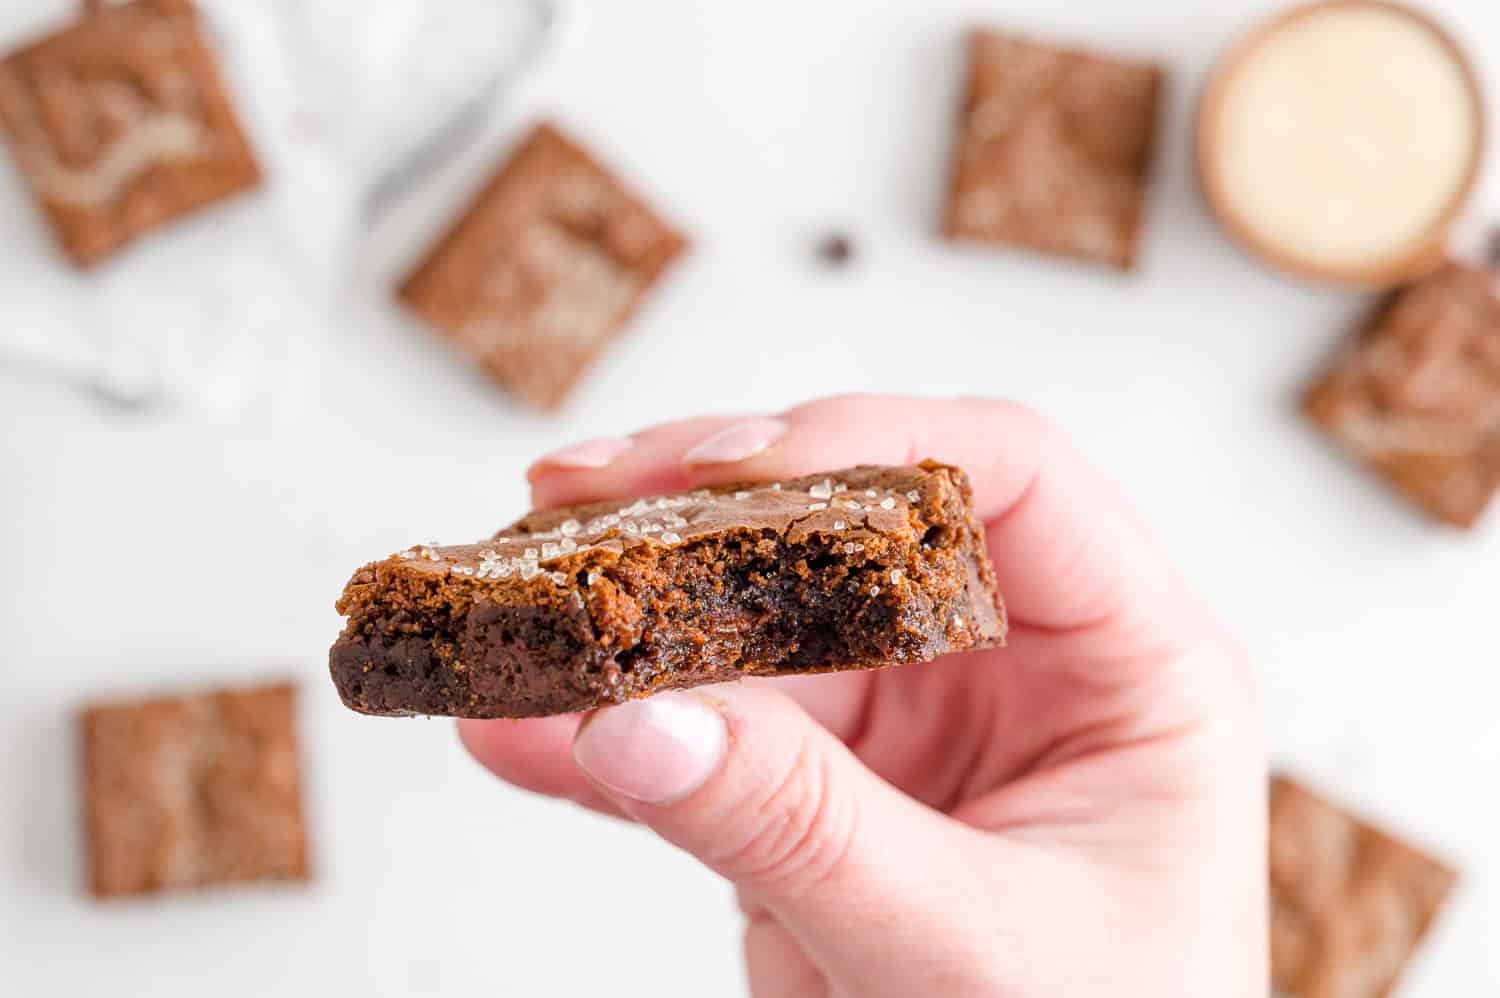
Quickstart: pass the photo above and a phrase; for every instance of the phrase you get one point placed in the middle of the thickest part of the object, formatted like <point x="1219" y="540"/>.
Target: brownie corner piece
<point x="1350" y="903"/>
<point x="544" y="268"/>
<point x="195" y="790"/>
<point x="119" y="124"/>
<point x="590" y="605"/>
<point x="1415" y="395"/>
<point x="1054" y="150"/>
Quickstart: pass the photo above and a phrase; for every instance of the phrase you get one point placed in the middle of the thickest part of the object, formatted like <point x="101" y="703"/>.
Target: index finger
<point x="1069" y="551"/>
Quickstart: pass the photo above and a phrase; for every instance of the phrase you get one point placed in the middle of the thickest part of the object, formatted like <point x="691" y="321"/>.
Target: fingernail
<point x="656" y="751"/>
<point x="738" y="442"/>
<point x="597" y="453"/>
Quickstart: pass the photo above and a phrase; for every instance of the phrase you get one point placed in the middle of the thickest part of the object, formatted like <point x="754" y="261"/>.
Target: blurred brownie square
<point x="543" y="269"/>
<point x="120" y="124"/>
<point x="193" y="791"/>
<point x="1416" y="395"/>
<point x="1349" y="903"/>
<point x="1054" y="150"/>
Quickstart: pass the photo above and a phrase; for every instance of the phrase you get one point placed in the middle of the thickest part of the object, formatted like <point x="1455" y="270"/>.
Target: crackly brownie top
<point x="544" y="268"/>
<point x="1349" y="903"/>
<point x="1054" y="148"/>
<point x="856" y="502"/>
<point x="194" y="790"/>
<point x="1419" y="393"/>
<point x="91" y="109"/>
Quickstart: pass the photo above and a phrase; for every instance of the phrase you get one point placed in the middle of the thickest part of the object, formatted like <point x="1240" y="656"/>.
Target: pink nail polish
<point x="597" y="453"/>
<point x="656" y="751"/>
<point x="737" y="442"/>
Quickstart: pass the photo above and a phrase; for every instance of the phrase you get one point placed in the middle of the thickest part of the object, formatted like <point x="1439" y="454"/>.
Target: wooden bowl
<point x="1427" y="253"/>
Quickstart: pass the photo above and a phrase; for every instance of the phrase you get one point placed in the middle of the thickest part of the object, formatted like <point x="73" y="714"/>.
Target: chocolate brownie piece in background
<point x="1349" y="903"/>
<point x="193" y="791"/>
<point x="543" y="269"/>
<point x="584" y="606"/>
<point x="1054" y="149"/>
<point x="1416" y="395"/>
<point x="120" y="124"/>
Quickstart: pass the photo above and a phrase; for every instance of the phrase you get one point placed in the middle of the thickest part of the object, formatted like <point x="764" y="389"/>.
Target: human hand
<point x="1081" y="812"/>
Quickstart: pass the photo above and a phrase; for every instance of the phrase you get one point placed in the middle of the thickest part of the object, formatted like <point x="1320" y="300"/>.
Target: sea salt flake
<point x="817" y="506"/>
<point x="531" y="553"/>
<point x="561" y="578"/>
<point x="874" y="590"/>
<point x="887" y="503"/>
<point x="650" y="528"/>
<point x="670" y="537"/>
<point x="569" y="528"/>
<point x="462" y="570"/>
<point x="550" y="550"/>
<point x="848" y="547"/>
<point x="913" y="496"/>
<point x="407" y="555"/>
<point x="742" y="496"/>
<point x="824" y="491"/>
<point x="839" y="524"/>
<point x="958" y="621"/>
<point x="631" y="527"/>
<point x="841" y="487"/>
<point x="593" y="577"/>
<point x="529" y="568"/>
<point x="776" y="487"/>
<point x="896" y="575"/>
<point x="567" y="545"/>
<point x="871" y="493"/>
<point x="701" y="494"/>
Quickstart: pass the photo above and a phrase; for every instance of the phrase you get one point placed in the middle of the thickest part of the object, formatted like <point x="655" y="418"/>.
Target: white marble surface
<point x="179" y="548"/>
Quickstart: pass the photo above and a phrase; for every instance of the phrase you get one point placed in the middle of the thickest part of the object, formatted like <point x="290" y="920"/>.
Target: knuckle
<point x="803" y="832"/>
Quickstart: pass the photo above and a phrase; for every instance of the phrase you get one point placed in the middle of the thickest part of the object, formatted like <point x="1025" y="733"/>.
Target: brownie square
<point x="1054" y="149"/>
<point x="583" y="606"/>
<point x="1349" y="903"/>
<point x="1416" y="395"/>
<point x="194" y="790"/>
<point x="120" y="124"/>
<point x="543" y="269"/>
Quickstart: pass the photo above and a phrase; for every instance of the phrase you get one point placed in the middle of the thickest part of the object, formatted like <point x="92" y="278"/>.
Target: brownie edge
<point x="579" y="607"/>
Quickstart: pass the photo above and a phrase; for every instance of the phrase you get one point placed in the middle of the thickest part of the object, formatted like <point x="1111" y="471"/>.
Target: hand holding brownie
<point x="1080" y="812"/>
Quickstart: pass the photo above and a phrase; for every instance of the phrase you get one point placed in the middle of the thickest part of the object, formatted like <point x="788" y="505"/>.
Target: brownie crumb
<point x="836" y="249"/>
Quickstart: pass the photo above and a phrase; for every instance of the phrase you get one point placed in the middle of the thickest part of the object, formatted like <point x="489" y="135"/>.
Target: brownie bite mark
<point x="1349" y="903"/>
<point x="120" y="124"/>
<point x="1416" y="395"/>
<point x="1054" y="150"/>
<point x="544" y="268"/>
<point x="193" y="791"/>
<point x="580" y="607"/>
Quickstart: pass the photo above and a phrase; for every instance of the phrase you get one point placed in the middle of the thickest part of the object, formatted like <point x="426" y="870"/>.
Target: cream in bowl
<point x="1340" y="141"/>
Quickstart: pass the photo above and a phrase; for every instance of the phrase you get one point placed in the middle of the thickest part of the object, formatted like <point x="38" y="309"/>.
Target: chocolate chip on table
<point x="836" y="249"/>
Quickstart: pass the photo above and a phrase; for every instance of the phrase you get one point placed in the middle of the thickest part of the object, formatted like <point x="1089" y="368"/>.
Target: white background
<point x="158" y="551"/>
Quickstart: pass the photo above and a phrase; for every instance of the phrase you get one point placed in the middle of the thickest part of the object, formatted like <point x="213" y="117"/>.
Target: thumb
<point x="741" y="777"/>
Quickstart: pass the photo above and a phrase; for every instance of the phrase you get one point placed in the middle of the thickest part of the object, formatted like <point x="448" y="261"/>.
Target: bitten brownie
<point x="1054" y="150"/>
<point x="1349" y="904"/>
<point x="543" y="269"/>
<point x="1416" y="396"/>
<point x="120" y="124"/>
<point x="193" y="791"/>
<point x="580" y="607"/>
